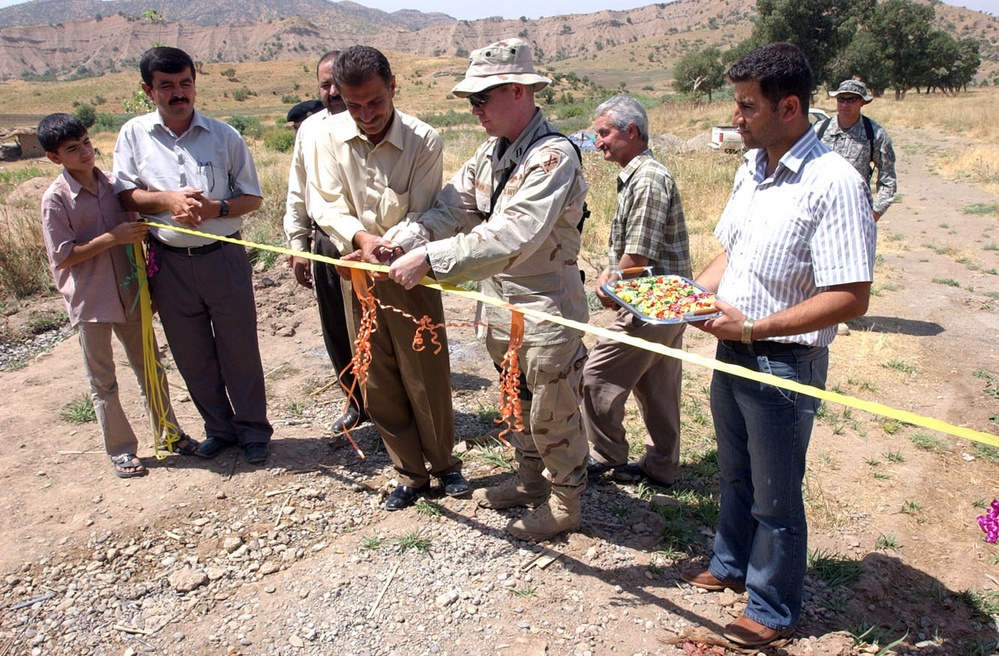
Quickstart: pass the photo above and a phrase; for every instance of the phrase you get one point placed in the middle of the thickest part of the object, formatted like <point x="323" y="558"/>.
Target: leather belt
<point x="195" y="250"/>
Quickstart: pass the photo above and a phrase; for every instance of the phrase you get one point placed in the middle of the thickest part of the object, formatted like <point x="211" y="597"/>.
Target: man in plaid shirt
<point x="648" y="229"/>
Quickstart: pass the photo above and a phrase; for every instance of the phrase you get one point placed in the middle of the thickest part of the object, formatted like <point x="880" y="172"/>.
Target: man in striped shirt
<point x="798" y="236"/>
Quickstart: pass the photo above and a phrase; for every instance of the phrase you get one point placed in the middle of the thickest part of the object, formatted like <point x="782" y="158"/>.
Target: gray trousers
<point x="209" y="317"/>
<point x="330" y="292"/>
<point x="98" y="361"/>
<point x="614" y="371"/>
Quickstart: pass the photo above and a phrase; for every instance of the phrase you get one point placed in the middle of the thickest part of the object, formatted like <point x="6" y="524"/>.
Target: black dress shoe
<point x="256" y="452"/>
<point x="212" y="446"/>
<point x="454" y="484"/>
<point x="350" y="420"/>
<point x="405" y="496"/>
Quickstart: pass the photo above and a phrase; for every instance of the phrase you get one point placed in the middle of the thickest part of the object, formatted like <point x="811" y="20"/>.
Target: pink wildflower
<point x="989" y="523"/>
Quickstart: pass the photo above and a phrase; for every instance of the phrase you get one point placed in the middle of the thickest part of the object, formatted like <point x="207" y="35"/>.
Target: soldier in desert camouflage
<point x="509" y="218"/>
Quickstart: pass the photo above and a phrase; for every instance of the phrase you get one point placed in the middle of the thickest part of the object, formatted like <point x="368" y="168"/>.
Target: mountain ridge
<point x="110" y="36"/>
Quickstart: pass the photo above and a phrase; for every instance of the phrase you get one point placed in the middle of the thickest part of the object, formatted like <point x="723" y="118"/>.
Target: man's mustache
<point x="174" y="101"/>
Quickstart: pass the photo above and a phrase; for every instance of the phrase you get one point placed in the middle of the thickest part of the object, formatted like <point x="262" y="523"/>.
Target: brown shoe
<point x="749" y="633"/>
<point x="704" y="579"/>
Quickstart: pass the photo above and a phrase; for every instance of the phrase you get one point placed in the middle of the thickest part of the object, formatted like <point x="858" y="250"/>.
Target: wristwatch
<point x="747" y="331"/>
<point x="224" y="210"/>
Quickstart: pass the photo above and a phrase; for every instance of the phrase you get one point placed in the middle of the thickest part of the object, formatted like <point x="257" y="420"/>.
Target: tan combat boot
<point x="560" y="513"/>
<point x="527" y="487"/>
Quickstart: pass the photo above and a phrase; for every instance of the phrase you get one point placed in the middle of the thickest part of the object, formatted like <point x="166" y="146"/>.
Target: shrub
<point x="248" y="126"/>
<point x="109" y="122"/>
<point x="280" y="139"/>
<point x="86" y="114"/>
<point x="242" y="93"/>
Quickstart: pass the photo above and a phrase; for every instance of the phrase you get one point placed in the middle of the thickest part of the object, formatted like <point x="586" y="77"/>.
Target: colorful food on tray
<point x="664" y="298"/>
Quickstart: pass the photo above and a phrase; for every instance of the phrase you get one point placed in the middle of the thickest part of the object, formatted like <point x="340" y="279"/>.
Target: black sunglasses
<point x="848" y="100"/>
<point x="479" y="99"/>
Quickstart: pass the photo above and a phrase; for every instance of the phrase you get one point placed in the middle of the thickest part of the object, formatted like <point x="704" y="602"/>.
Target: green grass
<point x="525" y="591"/>
<point x="950" y="282"/>
<point x="991" y="382"/>
<point x="877" y="636"/>
<point x="412" y="540"/>
<point x="911" y="508"/>
<point x="79" y="411"/>
<point x="497" y="457"/>
<point x="987" y="452"/>
<point x="984" y="604"/>
<point x="887" y="543"/>
<point x="372" y="542"/>
<point x="900" y="366"/>
<point x="488" y="417"/>
<point x="835" y="569"/>
<point x="47" y="322"/>
<point x="927" y="442"/>
<point x="894" y="456"/>
<point x="981" y="208"/>
<point x="427" y="508"/>
<point x="296" y="408"/>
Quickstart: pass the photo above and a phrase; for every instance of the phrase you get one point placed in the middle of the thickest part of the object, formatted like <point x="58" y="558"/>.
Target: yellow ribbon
<point x="165" y="432"/>
<point x="685" y="356"/>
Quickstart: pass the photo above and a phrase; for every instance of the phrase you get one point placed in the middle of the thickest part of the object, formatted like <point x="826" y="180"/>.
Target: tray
<point x="621" y="289"/>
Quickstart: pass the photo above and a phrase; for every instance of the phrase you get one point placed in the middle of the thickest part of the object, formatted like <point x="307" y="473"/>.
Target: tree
<point x="698" y="72"/>
<point x="902" y="30"/>
<point x="862" y="59"/>
<point x="821" y="28"/>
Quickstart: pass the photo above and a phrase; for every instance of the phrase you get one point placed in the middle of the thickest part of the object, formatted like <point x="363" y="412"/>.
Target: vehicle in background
<point x="726" y="138"/>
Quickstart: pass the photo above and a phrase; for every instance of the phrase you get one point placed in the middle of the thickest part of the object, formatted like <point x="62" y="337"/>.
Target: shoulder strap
<point x="506" y="174"/>
<point x="869" y="129"/>
<point x="823" y="126"/>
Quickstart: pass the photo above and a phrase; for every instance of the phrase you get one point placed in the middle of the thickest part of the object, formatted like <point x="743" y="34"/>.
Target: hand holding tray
<point x="661" y="299"/>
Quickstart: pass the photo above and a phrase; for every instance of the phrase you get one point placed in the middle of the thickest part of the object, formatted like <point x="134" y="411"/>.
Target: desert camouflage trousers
<point x="553" y="424"/>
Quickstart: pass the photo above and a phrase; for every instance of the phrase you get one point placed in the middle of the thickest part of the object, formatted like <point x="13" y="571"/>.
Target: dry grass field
<point x="895" y="556"/>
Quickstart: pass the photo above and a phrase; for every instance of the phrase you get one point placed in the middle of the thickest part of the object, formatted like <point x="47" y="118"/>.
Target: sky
<point x="465" y="10"/>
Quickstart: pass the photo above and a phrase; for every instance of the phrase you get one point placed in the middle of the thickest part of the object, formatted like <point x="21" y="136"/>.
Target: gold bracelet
<point x="747" y="331"/>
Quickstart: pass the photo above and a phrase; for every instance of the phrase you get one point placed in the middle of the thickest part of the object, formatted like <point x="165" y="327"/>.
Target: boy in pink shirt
<point x="85" y="230"/>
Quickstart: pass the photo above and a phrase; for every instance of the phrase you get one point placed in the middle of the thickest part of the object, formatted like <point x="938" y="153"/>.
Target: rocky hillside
<point x="108" y="36"/>
<point x="37" y="40"/>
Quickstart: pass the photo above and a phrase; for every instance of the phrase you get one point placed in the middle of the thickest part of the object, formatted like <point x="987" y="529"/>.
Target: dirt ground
<point x="927" y="345"/>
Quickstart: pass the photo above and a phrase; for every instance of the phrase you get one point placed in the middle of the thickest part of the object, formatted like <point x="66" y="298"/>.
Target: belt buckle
<point x="188" y="250"/>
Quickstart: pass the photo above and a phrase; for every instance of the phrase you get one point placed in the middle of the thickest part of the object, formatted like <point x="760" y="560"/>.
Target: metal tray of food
<point x="661" y="299"/>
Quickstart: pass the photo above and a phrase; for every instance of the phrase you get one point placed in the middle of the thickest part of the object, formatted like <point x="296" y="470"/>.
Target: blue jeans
<point x="763" y="433"/>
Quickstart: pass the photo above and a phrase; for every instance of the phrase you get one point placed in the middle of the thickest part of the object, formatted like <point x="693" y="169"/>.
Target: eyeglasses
<point x="479" y="99"/>
<point x="847" y="100"/>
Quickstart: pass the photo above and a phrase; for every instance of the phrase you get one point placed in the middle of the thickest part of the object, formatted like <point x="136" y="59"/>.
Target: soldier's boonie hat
<point x="304" y="110"/>
<point x="855" y="87"/>
<point x="503" y="62"/>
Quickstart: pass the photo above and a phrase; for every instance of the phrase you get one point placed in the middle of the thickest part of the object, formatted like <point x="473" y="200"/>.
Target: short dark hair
<point x="781" y="69"/>
<point x="165" y="60"/>
<point x="328" y="55"/>
<point x="358" y="64"/>
<point x="56" y="129"/>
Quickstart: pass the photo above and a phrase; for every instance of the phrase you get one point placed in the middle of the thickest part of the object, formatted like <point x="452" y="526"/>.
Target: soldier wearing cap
<point x="863" y="142"/>
<point x="509" y="218"/>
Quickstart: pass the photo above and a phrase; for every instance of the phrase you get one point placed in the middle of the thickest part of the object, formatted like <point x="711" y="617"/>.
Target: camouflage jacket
<point x="853" y="145"/>
<point x="525" y="249"/>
